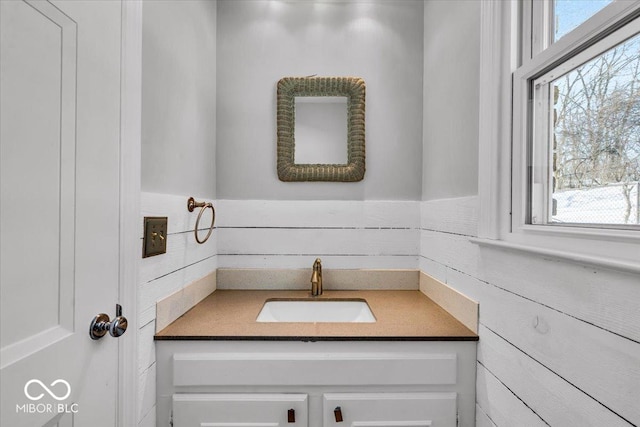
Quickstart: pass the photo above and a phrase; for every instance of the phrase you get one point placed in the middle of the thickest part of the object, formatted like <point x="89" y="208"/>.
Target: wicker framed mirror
<point x="353" y="88"/>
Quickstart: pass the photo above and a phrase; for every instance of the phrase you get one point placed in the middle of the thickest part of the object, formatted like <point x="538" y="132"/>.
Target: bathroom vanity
<point x="414" y="366"/>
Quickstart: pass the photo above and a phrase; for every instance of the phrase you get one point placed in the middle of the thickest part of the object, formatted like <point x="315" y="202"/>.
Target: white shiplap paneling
<point x="185" y="262"/>
<point x="482" y="419"/>
<point x="347" y="234"/>
<point x="163" y="286"/>
<point x="146" y="347"/>
<point x="598" y="296"/>
<point x="146" y="392"/>
<point x="555" y="399"/>
<point x="317" y="214"/>
<point x="558" y="340"/>
<point x="182" y="250"/>
<point x="175" y="208"/>
<point x="318" y="241"/>
<point x="582" y="350"/>
<point x="401" y="262"/>
<point x="457" y="216"/>
<point x="501" y="405"/>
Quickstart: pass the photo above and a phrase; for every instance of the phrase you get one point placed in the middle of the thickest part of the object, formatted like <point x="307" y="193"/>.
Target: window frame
<point x="505" y="139"/>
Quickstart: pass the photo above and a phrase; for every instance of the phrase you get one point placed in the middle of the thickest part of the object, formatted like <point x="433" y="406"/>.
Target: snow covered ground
<point x="601" y="205"/>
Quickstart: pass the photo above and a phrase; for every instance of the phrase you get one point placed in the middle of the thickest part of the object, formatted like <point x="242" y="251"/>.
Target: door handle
<point x="101" y="324"/>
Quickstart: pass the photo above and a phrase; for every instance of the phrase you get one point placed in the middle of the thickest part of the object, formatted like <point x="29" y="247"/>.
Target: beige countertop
<point x="400" y="315"/>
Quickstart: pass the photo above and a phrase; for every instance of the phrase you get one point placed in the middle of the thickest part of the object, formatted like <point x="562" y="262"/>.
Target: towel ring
<point x="191" y="205"/>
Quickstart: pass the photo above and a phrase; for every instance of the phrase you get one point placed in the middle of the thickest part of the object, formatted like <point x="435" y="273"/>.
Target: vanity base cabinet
<point x="389" y="409"/>
<point x="339" y="409"/>
<point x="374" y="383"/>
<point x="234" y="410"/>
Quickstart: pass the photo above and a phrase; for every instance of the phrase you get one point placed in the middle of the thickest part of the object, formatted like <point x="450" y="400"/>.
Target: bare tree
<point x="597" y="123"/>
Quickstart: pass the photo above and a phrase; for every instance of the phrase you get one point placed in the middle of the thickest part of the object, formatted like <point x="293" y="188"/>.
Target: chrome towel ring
<point x="191" y="205"/>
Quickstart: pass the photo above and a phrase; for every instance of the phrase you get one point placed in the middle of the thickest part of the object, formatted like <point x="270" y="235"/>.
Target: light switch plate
<point x="155" y="236"/>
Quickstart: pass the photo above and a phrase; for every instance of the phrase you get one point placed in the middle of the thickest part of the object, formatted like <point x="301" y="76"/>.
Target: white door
<point x="389" y="409"/>
<point x="237" y="410"/>
<point x="59" y="213"/>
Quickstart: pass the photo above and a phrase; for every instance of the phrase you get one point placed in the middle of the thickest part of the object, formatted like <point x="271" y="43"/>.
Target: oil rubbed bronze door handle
<point x="291" y="416"/>
<point x="338" y="414"/>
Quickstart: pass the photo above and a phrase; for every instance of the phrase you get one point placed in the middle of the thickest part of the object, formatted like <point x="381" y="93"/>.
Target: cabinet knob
<point x="338" y="414"/>
<point x="291" y="416"/>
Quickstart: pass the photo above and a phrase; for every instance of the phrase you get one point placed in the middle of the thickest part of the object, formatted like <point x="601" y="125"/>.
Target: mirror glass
<point x="321" y="130"/>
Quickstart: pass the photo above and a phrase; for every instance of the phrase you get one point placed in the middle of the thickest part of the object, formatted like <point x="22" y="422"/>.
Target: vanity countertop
<point x="403" y="315"/>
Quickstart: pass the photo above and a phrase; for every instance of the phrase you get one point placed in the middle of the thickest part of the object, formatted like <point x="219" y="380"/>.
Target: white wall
<point x="559" y="341"/>
<point x="179" y="97"/>
<point x="178" y="160"/>
<point x="184" y="264"/>
<point x="346" y="234"/>
<point x="451" y="64"/>
<point x="260" y="42"/>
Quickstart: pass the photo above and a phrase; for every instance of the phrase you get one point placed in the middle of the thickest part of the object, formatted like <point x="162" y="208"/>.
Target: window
<point x="575" y="149"/>
<point x="568" y="14"/>
<point x="580" y="127"/>
<point x="586" y="138"/>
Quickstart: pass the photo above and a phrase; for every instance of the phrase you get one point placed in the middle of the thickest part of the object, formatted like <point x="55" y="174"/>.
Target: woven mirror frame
<point x="351" y="87"/>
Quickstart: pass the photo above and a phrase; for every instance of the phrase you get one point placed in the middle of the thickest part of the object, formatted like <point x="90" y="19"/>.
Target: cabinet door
<point x="235" y="410"/>
<point x="389" y="409"/>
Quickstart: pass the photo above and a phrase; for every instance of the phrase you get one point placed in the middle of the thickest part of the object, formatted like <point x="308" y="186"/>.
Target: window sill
<point x="601" y="261"/>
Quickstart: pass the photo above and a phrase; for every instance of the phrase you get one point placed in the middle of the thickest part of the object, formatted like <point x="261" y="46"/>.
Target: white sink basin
<point x="321" y="310"/>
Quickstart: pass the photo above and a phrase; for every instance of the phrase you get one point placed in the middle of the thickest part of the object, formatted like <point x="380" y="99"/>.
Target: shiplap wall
<point x="265" y="234"/>
<point x="291" y="234"/>
<point x="160" y="276"/>
<point x="559" y="342"/>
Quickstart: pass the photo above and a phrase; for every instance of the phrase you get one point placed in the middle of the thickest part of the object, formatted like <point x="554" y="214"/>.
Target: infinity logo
<point x="52" y="394"/>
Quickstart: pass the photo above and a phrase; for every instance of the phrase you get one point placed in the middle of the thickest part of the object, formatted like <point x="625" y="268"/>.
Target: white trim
<point x="499" y="191"/>
<point x="236" y="397"/>
<point x="314" y="368"/>
<point x="615" y="264"/>
<point x="599" y="48"/>
<point x="130" y="169"/>
<point x="611" y="248"/>
<point x="591" y="28"/>
<point x="542" y="29"/>
<point x="525" y="46"/>
<point x="498" y="56"/>
<point x="489" y="121"/>
<point x="542" y="134"/>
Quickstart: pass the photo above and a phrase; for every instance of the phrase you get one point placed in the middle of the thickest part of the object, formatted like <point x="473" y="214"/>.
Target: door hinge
<point x="457" y="419"/>
<point x="171" y="418"/>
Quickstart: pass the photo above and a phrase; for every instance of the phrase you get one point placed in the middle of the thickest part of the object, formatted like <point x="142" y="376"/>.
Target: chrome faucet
<point x="316" y="278"/>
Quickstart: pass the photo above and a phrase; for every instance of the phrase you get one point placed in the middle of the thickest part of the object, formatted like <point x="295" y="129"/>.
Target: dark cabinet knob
<point x="291" y="416"/>
<point x="338" y="414"/>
